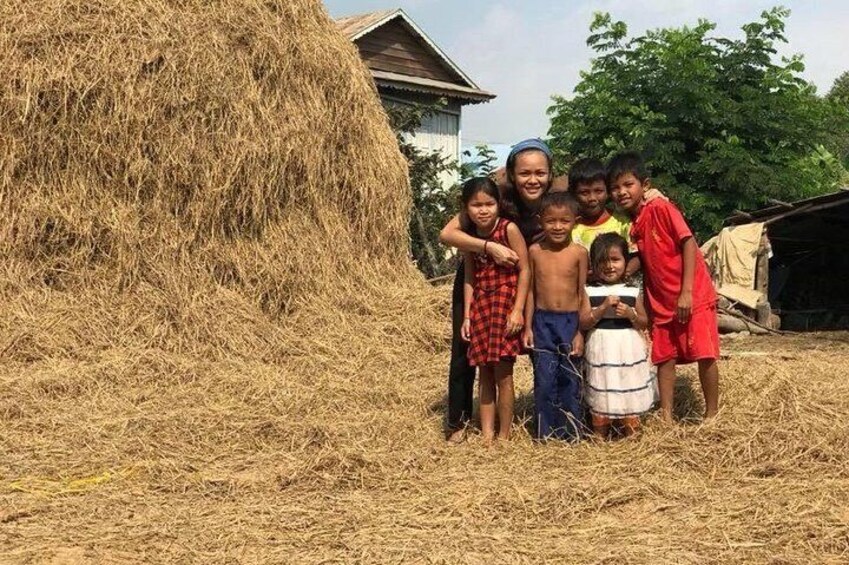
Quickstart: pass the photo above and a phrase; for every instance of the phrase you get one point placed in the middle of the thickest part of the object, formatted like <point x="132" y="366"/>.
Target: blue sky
<point x="527" y="51"/>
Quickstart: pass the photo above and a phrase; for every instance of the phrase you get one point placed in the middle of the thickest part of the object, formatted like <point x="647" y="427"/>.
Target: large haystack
<point x="163" y="163"/>
<point x="214" y="350"/>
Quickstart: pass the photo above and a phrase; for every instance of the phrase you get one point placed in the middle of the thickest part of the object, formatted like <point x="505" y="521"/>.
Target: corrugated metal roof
<point x="783" y="210"/>
<point x="353" y="26"/>
<point x="419" y="84"/>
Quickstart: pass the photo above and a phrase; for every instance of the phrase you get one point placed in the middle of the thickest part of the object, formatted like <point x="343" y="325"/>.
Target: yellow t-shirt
<point x="585" y="234"/>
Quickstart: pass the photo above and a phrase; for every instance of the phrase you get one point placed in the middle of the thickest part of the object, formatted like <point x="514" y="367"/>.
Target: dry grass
<point x="239" y="461"/>
<point x="214" y="351"/>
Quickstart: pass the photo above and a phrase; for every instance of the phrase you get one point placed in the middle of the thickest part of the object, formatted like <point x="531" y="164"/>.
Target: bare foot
<point x="457" y="436"/>
<point x="487" y="439"/>
<point x="630" y="432"/>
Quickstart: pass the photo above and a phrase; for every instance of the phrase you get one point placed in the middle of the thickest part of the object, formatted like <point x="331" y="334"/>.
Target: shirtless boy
<point x="558" y="273"/>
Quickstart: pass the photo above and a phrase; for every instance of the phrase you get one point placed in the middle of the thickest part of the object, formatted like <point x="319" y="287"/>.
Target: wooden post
<point x="762" y="280"/>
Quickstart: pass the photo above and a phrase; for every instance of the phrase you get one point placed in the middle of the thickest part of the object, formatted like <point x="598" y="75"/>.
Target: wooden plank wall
<point x="393" y="48"/>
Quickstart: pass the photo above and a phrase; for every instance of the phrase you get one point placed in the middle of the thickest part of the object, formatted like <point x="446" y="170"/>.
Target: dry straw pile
<point x="214" y="349"/>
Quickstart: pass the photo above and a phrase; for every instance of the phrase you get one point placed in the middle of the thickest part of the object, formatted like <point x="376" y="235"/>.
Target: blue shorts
<point x="557" y="380"/>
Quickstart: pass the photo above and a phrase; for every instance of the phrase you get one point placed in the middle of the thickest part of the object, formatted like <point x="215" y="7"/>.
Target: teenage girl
<point x="620" y="383"/>
<point x="494" y="299"/>
<point x="529" y="174"/>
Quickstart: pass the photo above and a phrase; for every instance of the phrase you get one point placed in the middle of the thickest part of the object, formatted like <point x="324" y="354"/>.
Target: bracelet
<point x="484" y="246"/>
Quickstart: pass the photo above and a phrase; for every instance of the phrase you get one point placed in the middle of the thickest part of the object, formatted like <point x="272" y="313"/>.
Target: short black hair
<point x="558" y="199"/>
<point x="624" y="163"/>
<point x="586" y="171"/>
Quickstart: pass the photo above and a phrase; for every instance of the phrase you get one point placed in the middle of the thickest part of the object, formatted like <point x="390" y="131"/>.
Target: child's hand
<point x="528" y="338"/>
<point x="652" y="194"/>
<point x="515" y="322"/>
<point x="623" y="310"/>
<point x="466" y="330"/>
<point x="578" y="345"/>
<point x="685" y="307"/>
<point x="611" y="302"/>
<point x="501" y="254"/>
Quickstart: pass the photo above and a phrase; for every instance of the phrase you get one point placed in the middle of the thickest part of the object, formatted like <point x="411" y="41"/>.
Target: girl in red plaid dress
<point x="494" y="301"/>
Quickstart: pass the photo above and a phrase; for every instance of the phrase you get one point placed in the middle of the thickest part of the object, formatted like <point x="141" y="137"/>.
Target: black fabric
<point x="461" y="376"/>
<point x="596" y="301"/>
<point x="529" y="225"/>
<point x="614" y="324"/>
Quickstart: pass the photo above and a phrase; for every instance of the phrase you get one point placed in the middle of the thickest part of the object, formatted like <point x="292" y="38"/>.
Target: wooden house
<point x="409" y="68"/>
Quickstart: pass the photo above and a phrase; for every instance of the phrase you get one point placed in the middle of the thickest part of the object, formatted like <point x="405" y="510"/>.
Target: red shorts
<point x="686" y="343"/>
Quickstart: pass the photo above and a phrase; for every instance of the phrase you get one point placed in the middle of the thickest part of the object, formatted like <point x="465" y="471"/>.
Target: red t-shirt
<point x="659" y="231"/>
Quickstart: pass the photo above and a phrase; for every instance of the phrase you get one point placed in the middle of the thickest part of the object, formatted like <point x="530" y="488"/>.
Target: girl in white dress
<point x="621" y="384"/>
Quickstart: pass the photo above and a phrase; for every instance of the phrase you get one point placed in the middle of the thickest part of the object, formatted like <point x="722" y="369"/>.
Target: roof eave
<point x="808" y="205"/>
<point x="465" y="98"/>
<point x="398" y="81"/>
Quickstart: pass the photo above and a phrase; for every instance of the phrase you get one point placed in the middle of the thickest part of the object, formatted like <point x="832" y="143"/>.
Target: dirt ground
<point x="169" y="459"/>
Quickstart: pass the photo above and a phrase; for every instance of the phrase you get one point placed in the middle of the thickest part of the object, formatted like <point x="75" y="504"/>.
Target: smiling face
<point x="531" y="175"/>
<point x="611" y="269"/>
<point x="482" y="210"/>
<point x="557" y="224"/>
<point x="627" y="190"/>
<point x="592" y="197"/>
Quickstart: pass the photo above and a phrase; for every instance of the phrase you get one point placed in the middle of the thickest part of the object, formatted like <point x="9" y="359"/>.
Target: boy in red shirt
<point x="681" y="297"/>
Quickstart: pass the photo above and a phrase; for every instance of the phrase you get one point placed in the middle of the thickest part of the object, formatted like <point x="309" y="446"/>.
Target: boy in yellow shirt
<point x="588" y="184"/>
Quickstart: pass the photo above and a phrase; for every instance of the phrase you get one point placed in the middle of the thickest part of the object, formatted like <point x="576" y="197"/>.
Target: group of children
<point x="573" y="301"/>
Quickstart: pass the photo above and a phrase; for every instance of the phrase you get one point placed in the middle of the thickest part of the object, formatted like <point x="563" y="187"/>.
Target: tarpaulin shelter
<point x="799" y="267"/>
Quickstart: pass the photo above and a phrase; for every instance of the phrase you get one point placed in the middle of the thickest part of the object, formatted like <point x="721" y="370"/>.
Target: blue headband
<point x="535" y="144"/>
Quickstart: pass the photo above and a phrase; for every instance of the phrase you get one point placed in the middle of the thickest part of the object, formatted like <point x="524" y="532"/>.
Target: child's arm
<point x="685" y="299"/>
<point x="590" y="316"/>
<point x="585" y="314"/>
<point x="453" y="235"/>
<point x="583" y="266"/>
<point x="637" y="315"/>
<point x="468" y="293"/>
<point x="528" y="334"/>
<point x="515" y="321"/>
<point x="641" y="320"/>
<point x="633" y="265"/>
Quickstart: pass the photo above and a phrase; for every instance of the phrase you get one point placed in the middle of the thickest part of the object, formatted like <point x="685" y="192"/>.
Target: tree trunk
<point x="430" y="252"/>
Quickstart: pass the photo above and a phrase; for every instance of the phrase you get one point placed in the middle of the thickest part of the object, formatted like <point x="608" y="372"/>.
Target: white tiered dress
<point x="620" y="379"/>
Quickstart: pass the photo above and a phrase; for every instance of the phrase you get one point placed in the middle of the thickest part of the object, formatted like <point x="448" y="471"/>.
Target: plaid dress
<point x="492" y="302"/>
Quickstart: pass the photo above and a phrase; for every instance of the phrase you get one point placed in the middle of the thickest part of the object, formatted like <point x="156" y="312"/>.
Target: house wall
<point x="439" y="132"/>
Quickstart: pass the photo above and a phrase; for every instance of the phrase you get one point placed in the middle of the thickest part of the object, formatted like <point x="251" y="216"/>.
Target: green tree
<point x="480" y="163"/>
<point x="722" y="124"/>
<point x="839" y="92"/>
<point x="839" y="96"/>
<point x="433" y="202"/>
